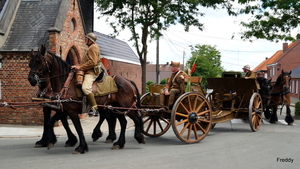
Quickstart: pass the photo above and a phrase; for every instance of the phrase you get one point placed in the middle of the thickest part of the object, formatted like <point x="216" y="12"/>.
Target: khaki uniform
<point x="250" y="74"/>
<point x="90" y="59"/>
<point x="175" y="85"/>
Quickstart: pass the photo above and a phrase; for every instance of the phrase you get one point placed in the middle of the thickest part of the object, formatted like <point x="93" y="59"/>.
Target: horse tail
<point x="138" y="97"/>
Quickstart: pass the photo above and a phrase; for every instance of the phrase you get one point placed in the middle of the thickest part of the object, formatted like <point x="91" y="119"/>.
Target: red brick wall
<point x="16" y="88"/>
<point x="129" y="71"/>
<point x="13" y="74"/>
<point x="69" y="37"/>
<point x="289" y="61"/>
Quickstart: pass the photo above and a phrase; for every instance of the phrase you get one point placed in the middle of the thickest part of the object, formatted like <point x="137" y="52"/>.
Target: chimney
<point x="285" y="47"/>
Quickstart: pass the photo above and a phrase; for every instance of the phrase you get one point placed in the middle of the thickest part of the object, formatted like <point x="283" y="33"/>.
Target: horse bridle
<point x="38" y="74"/>
<point x="286" y="88"/>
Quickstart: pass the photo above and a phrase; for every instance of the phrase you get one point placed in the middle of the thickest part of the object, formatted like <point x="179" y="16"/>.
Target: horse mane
<point x="64" y="66"/>
<point x="278" y="80"/>
<point x="280" y="77"/>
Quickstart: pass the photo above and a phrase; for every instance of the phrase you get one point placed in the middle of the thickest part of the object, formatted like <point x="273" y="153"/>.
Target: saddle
<point x="105" y="86"/>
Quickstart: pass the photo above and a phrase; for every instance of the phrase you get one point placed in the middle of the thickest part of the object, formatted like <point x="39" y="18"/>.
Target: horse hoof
<point x="116" y="147"/>
<point x="96" y="135"/>
<point x="290" y="124"/>
<point x="40" y="143"/>
<point x="50" y="145"/>
<point x="109" y="141"/>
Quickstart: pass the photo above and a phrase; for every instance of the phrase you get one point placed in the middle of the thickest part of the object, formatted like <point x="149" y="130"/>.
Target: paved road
<point x="229" y="145"/>
<point x="226" y="146"/>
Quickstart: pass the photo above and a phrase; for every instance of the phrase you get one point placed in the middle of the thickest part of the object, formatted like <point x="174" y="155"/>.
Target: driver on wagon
<point x="174" y="86"/>
<point x="249" y="73"/>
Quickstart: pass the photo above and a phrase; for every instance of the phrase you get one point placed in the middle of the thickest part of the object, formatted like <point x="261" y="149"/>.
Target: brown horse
<point x="59" y="71"/>
<point x="45" y="91"/>
<point x="281" y="94"/>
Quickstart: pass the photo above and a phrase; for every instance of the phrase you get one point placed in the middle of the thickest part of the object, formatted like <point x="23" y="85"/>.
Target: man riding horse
<point x="90" y="65"/>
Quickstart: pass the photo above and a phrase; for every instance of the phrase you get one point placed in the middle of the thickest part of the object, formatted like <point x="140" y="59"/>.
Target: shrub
<point x="297" y="108"/>
<point x="163" y="81"/>
<point x="147" y="86"/>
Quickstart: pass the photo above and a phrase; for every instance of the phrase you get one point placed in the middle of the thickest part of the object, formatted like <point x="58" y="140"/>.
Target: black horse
<point x="45" y="91"/>
<point x="265" y="93"/>
<point x="280" y="93"/>
<point x="63" y="84"/>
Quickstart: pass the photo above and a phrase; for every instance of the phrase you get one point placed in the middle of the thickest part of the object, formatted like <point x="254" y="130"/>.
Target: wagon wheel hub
<point x="257" y="111"/>
<point x="192" y="117"/>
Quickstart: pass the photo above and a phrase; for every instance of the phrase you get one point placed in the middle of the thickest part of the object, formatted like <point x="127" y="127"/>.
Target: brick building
<point x="286" y="59"/>
<point x="164" y="72"/>
<point x="61" y="25"/>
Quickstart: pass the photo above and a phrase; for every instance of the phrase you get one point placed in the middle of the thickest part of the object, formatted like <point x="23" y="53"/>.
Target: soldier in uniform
<point x="249" y="73"/>
<point x="89" y="61"/>
<point x="175" y="85"/>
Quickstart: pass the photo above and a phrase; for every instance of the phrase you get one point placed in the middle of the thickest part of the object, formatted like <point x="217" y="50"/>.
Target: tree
<point x="153" y="16"/>
<point x="273" y="20"/>
<point x="208" y="62"/>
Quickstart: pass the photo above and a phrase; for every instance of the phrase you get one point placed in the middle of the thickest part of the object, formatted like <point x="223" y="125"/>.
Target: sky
<point x="218" y="31"/>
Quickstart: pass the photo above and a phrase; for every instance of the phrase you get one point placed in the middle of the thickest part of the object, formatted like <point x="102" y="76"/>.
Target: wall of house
<point x="13" y="74"/>
<point x="16" y="88"/>
<point x="294" y="88"/>
<point x="72" y="35"/>
<point x="127" y="70"/>
<point x="288" y="60"/>
<point x="165" y="72"/>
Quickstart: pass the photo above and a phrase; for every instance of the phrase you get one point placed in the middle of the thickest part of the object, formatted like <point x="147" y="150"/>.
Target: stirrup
<point x="93" y="112"/>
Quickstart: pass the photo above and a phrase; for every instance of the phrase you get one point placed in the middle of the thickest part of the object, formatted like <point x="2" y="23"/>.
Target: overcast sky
<point x="218" y="30"/>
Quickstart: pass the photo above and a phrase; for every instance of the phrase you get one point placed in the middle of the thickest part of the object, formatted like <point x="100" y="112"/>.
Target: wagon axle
<point x="193" y="117"/>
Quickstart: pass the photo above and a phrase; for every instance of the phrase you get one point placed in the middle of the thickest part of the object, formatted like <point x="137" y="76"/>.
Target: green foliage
<point x="163" y="81"/>
<point x="297" y="108"/>
<point x="271" y="20"/>
<point x="148" y="83"/>
<point x="208" y="61"/>
<point x="146" y="19"/>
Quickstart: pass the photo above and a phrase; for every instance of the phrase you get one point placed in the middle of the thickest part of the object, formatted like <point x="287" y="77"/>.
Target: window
<point x="73" y="25"/>
<point x="296" y="87"/>
<point x="292" y="86"/>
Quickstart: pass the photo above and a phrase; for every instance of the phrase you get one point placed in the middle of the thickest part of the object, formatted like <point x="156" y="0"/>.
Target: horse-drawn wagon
<point x="194" y="114"/>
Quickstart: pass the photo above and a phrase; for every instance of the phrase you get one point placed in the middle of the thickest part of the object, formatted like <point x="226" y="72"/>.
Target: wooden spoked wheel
<point x="155" y="123"/>
<point x="191" y="117"/>
<point x="255" y="111"/>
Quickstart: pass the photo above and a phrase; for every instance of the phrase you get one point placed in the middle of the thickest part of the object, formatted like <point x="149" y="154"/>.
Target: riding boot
<point x="93" y="104"/>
